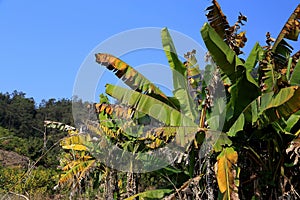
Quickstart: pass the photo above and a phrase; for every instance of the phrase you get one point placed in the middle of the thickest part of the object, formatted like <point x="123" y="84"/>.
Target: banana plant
<point x="258" y="107"/>
<point x="182" y="117"/>
<point x="261" y="116"/>
<point x="79" y="168"/>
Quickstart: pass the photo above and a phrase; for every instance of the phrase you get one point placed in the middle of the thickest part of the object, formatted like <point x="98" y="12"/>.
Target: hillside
<point x="13" y="159"/>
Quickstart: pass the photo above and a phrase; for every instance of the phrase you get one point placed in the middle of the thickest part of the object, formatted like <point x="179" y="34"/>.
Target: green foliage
<point x="295" y="79"/>
<point x="257" y="108"/>
<point x="180" y="82"/>
<point x="40" y="182"/>
<point x="151" y="194"/>
<point x="24" y="119"/>
<point x="261" y="124"/>
<point x="257" y="115"/>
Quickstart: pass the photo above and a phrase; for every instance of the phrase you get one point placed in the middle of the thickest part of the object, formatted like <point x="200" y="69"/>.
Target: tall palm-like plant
<point x="81" y="173"/>
<point x="255" y="105"/>
<point x="262" y="110"/>
<point x="182" y="117"/>
<point x="261" y="116"/>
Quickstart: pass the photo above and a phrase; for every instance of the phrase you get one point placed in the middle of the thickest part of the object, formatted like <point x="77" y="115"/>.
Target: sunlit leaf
<point x="129" y="75"/>
<point x="295" y="78"/>
<point x="290" y="29"/>
<point x="180" y="81"/>
<point x="237" y="126"/>
<point x="226" y="172"/>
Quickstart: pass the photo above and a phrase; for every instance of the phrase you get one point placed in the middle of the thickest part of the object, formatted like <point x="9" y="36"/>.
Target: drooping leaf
<point x="291" y="28"/>
<point x="119" y="110"/>
<point x="76" y="162"/>
<point x="180" y="79"/>
<point x="130" y="76"/>
<point x="226" y="173"/>
<point x="156" y="109"/>
<point x="151" y="106"/>
<point x="217" y="19"/>
<point x="292" y="105"/>
<point x="75" y="142"/>
<point x="284" y="103"/>
<point x="272" y="100"/>
<point x="76" y="173"/>
<point x="275" y="64"/>
<point x="158" y="137"/>
<point x="282" y="54"/>
<point x="281" y="50"/>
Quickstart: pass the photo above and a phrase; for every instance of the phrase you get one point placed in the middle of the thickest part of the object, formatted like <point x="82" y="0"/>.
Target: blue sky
<point x="44" y="43"/>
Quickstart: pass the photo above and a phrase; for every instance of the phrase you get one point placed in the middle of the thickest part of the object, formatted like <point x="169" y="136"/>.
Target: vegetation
<point x="27" y="150"/>
<point x="234" y="128"/>
<point x="36" y="185"/>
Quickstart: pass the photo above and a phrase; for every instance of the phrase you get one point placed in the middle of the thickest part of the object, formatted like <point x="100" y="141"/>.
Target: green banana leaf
<point x="285" y="103"/>
<point x="292" y="105"/>
<point x="255" y="55"/>
<point x="269" y="77"/>
<point x="180" y="81"/>
<point x="237" y="126"/>
<point x="292" y="121"/>
<point x="221" y="53"/>
<point x="295" y="78"/>
<point x="149" y="105"/>
<point x="156" y="109"/>
<point x="234" y="69"/>
<point x="242" y="94"/>
<point x="130" y="76"/>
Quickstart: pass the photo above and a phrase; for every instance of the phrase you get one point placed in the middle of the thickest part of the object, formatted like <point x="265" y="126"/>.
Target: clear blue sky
<point x="43" y="43"/>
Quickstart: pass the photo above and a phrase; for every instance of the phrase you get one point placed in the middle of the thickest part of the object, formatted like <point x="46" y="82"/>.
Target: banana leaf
<point x="295" y="78"/>
<point x="156" y="109"/>
<point x="130" y="76"/>
<point x="180" y="81"/>
<point x="221" y="53"/>
<point x="226" y="173"/>
<point x="291" y="28"/>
